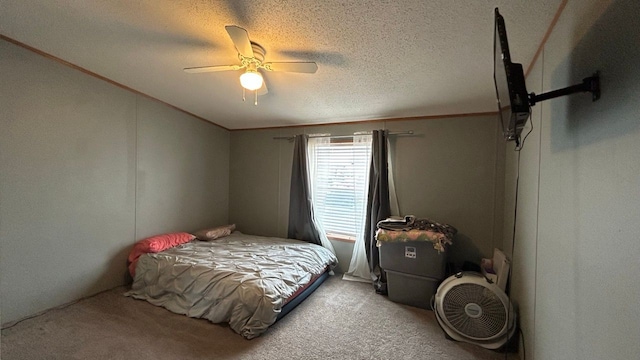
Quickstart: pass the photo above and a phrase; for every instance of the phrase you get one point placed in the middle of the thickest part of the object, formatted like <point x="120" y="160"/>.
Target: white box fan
<point x="471" y="309"/>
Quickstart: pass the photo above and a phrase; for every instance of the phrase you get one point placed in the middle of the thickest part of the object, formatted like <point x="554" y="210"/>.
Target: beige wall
<point x="576" y="254"/>
<point x="183" y="172"/>
<point x="74" y="153"/>
<point x="447" y="171"/>
<point x="524" y="265"/>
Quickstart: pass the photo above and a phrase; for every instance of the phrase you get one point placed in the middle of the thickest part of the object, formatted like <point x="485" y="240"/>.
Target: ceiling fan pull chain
<point x="243" y="94"/>
<point x="256" y="102"/>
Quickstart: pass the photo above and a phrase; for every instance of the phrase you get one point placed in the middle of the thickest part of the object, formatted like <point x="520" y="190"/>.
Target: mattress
<point x="243" y="280"/>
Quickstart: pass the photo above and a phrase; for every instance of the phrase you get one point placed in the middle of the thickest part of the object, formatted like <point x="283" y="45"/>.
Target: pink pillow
<point x="156" y="244"/>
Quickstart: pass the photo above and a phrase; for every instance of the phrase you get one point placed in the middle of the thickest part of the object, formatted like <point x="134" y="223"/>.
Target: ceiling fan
<point x="251" y="57"/>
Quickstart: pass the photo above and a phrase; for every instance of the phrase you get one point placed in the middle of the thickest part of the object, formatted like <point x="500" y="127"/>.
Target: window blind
<point x="341" y="172"/>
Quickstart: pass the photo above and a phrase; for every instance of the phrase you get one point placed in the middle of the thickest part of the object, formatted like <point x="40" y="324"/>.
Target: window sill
<point x="343" y="238"/>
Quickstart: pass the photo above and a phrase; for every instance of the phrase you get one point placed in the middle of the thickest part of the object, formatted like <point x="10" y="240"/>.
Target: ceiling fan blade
<point x="240" y="39"/>
<point x="299" y="67"/>
<point x="202" y="69"/>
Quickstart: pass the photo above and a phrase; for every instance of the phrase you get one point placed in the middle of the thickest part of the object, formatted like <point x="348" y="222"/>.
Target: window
<point x="339" y="170"/>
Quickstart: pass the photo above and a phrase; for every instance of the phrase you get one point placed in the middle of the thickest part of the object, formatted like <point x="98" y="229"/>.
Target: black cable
<point x="520" y="144"/>
<point x="515" y="216"/>
<point x="524" y="349"/>
<point x="59" y="307"/>
<point x="513" y="243"/>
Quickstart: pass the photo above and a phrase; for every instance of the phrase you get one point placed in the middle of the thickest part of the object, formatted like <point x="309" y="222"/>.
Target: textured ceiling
<point x="376" y="59"/>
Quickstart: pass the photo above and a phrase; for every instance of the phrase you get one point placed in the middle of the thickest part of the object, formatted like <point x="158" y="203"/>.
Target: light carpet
<point x="340" y="320"/>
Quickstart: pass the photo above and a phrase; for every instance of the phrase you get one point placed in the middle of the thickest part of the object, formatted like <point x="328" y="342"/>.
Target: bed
<point x="244" y="280"/>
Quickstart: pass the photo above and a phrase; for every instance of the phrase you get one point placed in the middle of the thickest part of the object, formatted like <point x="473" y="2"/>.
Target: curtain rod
<point x="409" y="132"/>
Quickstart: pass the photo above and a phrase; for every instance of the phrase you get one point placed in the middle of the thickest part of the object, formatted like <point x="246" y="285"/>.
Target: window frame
<point x="331" y="233"/>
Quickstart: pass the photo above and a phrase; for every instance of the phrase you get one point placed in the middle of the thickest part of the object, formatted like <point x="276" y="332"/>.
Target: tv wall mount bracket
<point x="590" y="84"/>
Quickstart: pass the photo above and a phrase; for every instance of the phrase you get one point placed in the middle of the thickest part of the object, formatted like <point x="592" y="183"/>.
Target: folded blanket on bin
<point x="411" y="229"/>
<point x="397" y="223"/>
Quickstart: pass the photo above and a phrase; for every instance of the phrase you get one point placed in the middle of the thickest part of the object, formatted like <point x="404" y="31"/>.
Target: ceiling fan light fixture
<point x="251" y="80"/>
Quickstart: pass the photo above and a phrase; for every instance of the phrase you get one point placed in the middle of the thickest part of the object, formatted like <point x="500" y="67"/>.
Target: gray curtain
<point x="378" y="205"/>
<point x="301" y="225"/>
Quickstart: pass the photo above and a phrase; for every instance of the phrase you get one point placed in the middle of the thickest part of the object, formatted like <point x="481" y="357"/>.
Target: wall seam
<point x="135" y="177"/>
<point x="495" y="195"/>
<point x="535" y="277"/>
<point x="229" y="178"/>
<point x="279" y="186"/>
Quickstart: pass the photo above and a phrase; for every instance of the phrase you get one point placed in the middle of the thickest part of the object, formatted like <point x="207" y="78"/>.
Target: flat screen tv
<point x="511" y="90"/>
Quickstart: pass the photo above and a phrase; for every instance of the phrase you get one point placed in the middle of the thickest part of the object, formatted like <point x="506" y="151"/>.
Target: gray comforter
<point x="240" y="279"/>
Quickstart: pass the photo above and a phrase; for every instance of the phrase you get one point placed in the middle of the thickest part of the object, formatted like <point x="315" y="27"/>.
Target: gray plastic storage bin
<point x="410" y="289"/>
<point x="413" y="257"/>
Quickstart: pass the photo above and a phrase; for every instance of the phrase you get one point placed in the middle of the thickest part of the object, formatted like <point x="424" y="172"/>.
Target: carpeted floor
<point x="341" y="320"/>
